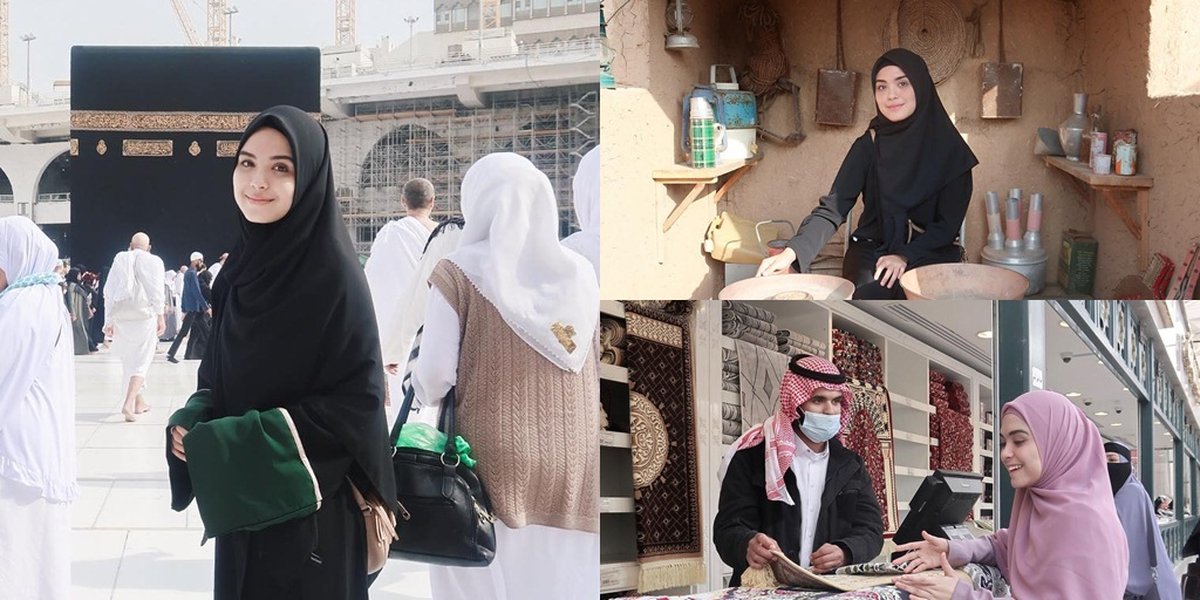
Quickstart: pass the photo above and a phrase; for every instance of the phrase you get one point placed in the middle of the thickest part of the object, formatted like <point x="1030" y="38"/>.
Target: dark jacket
<point x="849" y="517"/>
<point x="194" y="299"/>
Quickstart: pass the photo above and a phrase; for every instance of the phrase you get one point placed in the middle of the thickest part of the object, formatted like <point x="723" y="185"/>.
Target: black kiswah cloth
<point x="294" y="327"/>
<point x="914" y="158"/>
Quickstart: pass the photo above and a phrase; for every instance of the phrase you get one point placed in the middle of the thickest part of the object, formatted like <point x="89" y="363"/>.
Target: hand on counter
<point x="778" y="264"/>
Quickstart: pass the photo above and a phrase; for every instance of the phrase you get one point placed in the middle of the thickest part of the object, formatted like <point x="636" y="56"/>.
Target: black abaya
<point x="293" y="328"/>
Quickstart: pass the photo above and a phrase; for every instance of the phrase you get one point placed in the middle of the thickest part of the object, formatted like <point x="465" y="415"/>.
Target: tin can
<point x="1125" y="157"/>
<point x="1128" y="136"/>
<point x="1099" y="146"/>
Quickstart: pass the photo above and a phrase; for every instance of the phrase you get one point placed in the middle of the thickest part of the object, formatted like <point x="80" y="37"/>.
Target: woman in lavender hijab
<point x="1151" y="571"/>
<point x="1063" y="540"/>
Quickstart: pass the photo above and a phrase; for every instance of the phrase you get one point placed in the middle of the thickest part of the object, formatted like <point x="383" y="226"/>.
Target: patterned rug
<point x="759" y="371"/>
<point x="870" y="436"/>
<point x="879" y="593"/>
<point x="663" y="426"/>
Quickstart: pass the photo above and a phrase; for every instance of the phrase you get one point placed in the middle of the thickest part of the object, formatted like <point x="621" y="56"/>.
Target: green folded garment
<point x="249" y="472"/>
<point x="424" y="437"/>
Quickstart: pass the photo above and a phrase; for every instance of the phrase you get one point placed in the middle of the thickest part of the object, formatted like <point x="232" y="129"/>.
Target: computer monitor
<point x="940" y="506"/>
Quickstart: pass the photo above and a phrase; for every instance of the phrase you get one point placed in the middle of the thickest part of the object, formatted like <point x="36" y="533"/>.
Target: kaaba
<point x="154" y="131"/>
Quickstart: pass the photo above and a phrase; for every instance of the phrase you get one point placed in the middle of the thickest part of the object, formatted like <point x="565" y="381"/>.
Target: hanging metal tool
<point x="837" y="89"/>
<point x="1002" y="83"/>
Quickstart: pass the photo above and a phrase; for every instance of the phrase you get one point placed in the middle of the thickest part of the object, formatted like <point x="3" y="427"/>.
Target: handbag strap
<point x="445" y="422"/>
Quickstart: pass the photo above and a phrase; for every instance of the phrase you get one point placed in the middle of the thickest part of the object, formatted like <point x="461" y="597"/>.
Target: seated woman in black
<point x="911" y="167"/>
<point x="791" y="486"/>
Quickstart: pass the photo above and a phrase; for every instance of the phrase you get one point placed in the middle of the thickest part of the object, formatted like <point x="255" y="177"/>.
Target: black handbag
<point x="445" y="514"/>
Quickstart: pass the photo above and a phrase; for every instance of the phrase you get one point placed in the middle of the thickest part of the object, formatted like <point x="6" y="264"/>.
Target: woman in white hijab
<point x="511" y="325"/>
<point x="586" y="188"/>
<point x="37" y="412"/>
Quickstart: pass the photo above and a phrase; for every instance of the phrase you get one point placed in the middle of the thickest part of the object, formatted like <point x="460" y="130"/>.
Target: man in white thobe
<point x="394" y="256"/>
<point x="134" y="299"/>
<point x="215" y="269"/>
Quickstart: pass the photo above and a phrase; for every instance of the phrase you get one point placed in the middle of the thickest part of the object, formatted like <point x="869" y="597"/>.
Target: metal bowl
<point x="794" y="286"/>
<point x="963" y="281"/>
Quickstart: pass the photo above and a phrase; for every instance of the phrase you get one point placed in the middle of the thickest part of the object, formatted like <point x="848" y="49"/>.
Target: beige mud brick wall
<point x="1064" y="48"/>
<point x="1127" y="44"/>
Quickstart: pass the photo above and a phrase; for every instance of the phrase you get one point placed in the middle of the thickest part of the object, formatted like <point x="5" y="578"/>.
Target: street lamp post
<point x="229" y="12"/>
<point x="411" y="21"/>
<point x="27" y="38"/>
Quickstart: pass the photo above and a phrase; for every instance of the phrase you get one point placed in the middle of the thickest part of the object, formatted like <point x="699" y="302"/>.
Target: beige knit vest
<point x="533" y="427"/>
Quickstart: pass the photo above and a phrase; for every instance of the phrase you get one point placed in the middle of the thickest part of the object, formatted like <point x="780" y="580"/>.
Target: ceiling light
<point x="1073" y="394"/>
<point x="1124" y="389"/>
<point x="984" y="335"/>
<point x="1115" y="425"/>
<point x="1101" y="414"/>
<point x="1063" y="324"/>
<point x="1167" y="433"/>
<point x="1099" y="362"/>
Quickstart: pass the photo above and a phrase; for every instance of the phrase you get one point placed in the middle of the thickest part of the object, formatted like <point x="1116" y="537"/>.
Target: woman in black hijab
<point x="911" y="167"/>
<point x="295" y="411"/>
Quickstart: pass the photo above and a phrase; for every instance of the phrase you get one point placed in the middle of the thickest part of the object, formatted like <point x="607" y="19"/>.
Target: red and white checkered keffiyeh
<point x="794" y="390"/>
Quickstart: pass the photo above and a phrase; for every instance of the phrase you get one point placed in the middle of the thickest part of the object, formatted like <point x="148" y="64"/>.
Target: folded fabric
<point x="755" y="337"/>
<point x="731" y="421"/>
<point x="746" y="309"/>
<point x="247" y="472"/>
<point x="733" y="320"/>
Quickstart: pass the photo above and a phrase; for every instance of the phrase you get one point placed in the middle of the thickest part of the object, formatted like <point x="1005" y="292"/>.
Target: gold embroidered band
<point x="116" y="120"/>
<point x="227" y="148"/>
<point x="147" y="147"/>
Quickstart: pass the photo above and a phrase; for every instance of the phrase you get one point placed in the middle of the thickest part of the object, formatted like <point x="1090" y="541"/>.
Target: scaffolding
<point x="383" y="145"/>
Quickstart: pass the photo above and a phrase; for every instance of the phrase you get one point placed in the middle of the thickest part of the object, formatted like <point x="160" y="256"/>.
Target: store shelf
<point x="911" y="472"/>
<point x="612" y="308"/>
<point x="989" y="480"/>
<point x="914" y="438"/>
<point x="616" y="439"/>
<point x="987" y="453"/>
<point x="986" y="506"/>
<point x="615" y="577"/>
<point x="984" y="426"/>
<point x="913" y="404"/>
<point x="616" y="505"/>
<point x="614" y="373"/>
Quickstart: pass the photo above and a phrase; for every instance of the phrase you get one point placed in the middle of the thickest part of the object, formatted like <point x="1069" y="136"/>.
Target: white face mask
<point x="820" y="427"/>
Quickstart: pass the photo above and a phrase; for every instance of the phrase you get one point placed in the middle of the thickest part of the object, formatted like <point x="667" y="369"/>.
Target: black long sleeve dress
<point x="936" y="223"/>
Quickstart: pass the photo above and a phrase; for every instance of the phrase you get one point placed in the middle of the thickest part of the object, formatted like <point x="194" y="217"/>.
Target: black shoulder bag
<point x="445" y="514"/>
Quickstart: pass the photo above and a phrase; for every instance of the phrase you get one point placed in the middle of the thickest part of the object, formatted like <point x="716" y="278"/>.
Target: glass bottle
<point x="1070" y="132"/>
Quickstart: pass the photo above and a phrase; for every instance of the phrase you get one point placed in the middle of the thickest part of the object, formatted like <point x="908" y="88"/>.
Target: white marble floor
<point x="128" y="543"/>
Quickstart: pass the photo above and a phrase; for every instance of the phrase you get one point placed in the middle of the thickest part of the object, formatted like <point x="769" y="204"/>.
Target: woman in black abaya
<point x="296" y="381"/>
<point x="913" y="170"/>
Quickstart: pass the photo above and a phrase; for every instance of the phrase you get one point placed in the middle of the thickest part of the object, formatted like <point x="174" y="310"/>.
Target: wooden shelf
<point x="614" y="373"/>
<point x="700" y="179"/>
<point x="616" y="577"/>
<point x="1108" y="186"/>
<point x="612" y="308"/>
<point x="616" y="505"/>
<point x="616" y="439"/>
